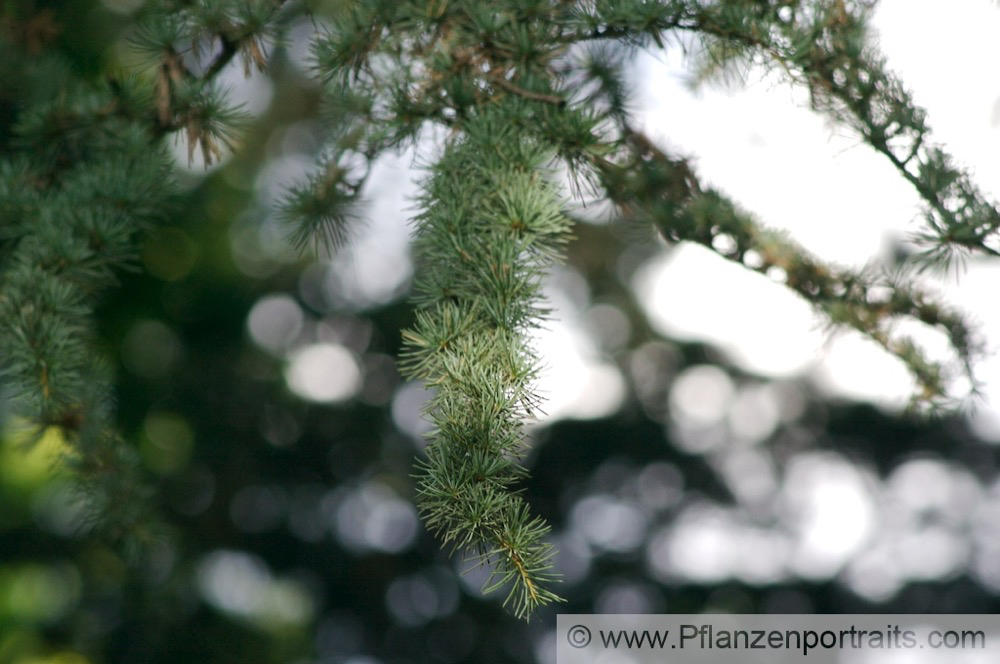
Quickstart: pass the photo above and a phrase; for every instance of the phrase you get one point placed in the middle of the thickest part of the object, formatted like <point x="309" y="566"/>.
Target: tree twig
<point x="527" y="94"/>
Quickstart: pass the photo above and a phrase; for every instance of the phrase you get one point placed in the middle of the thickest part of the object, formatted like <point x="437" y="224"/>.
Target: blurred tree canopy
<point x="209" y="428"/>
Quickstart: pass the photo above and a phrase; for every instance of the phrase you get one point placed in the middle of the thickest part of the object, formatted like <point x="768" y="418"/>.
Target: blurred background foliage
<point x="260" y="389"/>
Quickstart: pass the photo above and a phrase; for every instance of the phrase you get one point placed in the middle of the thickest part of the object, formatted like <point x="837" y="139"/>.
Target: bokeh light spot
<point x="829" y="505"/>
<point x="407" y="411"/>
<point x="242" y="585"/>
<point x="609" y="523"/>
<point x="324" y="373"/>
<point x="373" y="518"/>
<point x="419" y="598"/>
<point x="701" y="395"/>
<point x="274" y="322"/>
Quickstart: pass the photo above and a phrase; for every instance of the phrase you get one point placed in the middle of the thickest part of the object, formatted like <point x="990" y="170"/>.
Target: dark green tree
<point x="514" y="96"/>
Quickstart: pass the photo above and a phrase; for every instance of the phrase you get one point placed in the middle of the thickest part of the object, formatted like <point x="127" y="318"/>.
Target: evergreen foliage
<point x="488" y="212"/>
<point x="520" y="90"/>
<point x="82" y="179"/>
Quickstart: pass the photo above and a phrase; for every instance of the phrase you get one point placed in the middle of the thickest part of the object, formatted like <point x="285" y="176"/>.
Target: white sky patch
<point x="374" y="267"/>
<point x="692" y="293"/>
<point x="955" y="81"/>
<point x="575" y="382"/>
<point x="761" y="145"/>
<point x="855" y="365"/>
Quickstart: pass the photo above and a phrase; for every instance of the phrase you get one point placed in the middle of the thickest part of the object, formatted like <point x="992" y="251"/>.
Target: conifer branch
<point x="85" y="177"/>
<point x="75" y="206"/>
<point x="826" y="48"/>
<point x="650" y="185"/>
<point x="527" y="94"/>
<point x="497" y="227"/>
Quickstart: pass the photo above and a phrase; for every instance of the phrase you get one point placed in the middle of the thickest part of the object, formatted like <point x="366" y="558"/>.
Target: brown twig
<point x="527" y="94"/>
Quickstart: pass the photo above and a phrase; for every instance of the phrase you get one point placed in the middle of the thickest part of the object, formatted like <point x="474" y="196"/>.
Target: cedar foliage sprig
<point x="489" y="225"/>
<point x="489" y="213"/>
